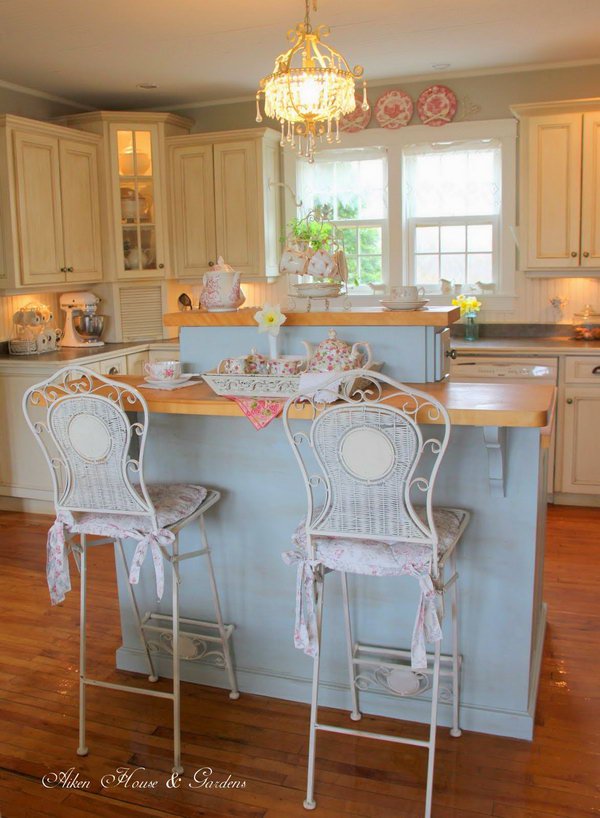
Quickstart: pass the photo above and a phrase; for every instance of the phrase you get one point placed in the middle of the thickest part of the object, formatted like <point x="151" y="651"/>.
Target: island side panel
<point x="405" y="350"/>
<point x="263" y="501"/>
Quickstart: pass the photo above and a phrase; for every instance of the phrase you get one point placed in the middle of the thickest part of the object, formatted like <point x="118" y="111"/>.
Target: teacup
<point x="232" y="366"/>
<point x="163" y="370"/>
<point x="409" y="293"/>
<point x="286" y="366"/>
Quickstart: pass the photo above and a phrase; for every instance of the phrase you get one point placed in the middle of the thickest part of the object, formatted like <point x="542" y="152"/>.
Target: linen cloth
<point x="172" y="502"/>
<point x="373" y="558"/>
<point x="260" y="411"/>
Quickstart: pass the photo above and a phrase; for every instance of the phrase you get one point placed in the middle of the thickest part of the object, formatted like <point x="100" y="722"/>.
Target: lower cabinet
<point x="136" y="362"/>
<point x="114" y="366"/>
<point x="581" y="440"/>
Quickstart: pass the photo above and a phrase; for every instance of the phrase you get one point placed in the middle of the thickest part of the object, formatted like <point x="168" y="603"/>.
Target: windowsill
<point x="496" y="302"/>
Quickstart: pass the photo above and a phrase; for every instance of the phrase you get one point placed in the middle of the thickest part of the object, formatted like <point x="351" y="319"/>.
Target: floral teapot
<point x="334" y="355"/>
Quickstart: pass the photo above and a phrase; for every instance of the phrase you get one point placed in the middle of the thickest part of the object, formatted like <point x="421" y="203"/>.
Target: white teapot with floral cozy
<point x="221" y="291"/>
<point x="335" y="355"/>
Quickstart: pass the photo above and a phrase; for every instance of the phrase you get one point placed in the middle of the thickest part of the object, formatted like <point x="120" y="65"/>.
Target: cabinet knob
<point x="161" y="266"/>
<point x="114" y="370"/>
<point x="569" y="400"/>
<point x="63" y="269"/>
<point x="586" y="254"/>
<point x="451" y="353"/>
<point x="211" y="264"/>
<point x="596" y="370"/>
<point x="574" y="254"/>
<point x="69" y="269"/>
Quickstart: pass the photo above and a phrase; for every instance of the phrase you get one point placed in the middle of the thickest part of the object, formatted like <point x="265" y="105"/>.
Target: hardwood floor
<point x="263" y="741"/>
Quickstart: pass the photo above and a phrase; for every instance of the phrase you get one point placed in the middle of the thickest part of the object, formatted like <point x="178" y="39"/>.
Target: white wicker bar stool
<point x="93" y="449"/>
<point x="369" y="474"/>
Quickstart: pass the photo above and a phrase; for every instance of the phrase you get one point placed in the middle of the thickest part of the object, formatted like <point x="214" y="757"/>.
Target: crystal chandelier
<point x="310" y="89"/>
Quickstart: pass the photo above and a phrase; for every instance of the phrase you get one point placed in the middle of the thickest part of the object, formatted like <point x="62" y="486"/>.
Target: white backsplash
<point x="9" y="304"/>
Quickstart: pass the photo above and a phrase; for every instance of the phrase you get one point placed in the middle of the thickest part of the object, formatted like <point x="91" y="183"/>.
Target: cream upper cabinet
<point x="39" y="217"/>
<point x="80" y="196"/>
<point x="225" y="201"/>
<point x="192" y="209"/>
<point x="590" y="192"/>
<point x="559" y="186"/>
<point x="49" y="205"/>
<point x="135" y="200"/>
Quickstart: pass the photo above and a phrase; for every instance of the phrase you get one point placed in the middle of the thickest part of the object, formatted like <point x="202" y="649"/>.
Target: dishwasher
<point x="509" y="369"/>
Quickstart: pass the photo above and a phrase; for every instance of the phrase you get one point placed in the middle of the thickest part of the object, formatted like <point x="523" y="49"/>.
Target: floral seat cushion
<point x="374" y="558"/>
<point x="172" y="503"/>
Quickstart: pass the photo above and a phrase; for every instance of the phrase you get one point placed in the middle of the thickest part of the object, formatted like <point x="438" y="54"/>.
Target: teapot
<point x="335" y="355"/>
<point x="221" y="290"/>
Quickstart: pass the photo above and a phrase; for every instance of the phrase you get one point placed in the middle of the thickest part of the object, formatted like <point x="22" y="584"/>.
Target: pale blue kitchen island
<point x="495" y="467"/>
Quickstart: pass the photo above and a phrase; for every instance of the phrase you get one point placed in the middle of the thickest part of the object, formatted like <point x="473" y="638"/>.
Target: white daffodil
<point x="269" y="319"/>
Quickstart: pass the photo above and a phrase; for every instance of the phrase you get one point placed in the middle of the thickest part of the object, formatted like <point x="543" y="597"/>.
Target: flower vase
<point x="471" y="327"/>
<point x="273" y="346"/>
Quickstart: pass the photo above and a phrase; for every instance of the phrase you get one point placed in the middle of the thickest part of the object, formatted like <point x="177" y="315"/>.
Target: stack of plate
<point x="404" y="304"/>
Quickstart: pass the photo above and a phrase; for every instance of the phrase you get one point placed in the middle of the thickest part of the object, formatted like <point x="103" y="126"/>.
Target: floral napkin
<point x="260" y="411"/>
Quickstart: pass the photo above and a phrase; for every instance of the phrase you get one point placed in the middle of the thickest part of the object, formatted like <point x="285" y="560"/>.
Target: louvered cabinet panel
<point x="141" y="312"/>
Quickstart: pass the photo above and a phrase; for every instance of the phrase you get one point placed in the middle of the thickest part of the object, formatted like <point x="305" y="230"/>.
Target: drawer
<point x="114" y="366"/>
<point x="582" y="369"/>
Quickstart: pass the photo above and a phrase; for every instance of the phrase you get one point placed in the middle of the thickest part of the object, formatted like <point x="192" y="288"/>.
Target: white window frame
<point x="396" y="272"/>
<point x="345" y="153"/>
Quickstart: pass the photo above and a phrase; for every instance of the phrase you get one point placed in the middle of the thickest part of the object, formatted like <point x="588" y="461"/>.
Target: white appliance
<point x="509" y="369"/>
<point x="83" y="326"/>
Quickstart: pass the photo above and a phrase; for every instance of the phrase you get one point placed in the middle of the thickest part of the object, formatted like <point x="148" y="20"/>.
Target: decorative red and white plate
<point x="357" y="120"/>
<point x="437" y="105"/>
<point x="393" y="109"/>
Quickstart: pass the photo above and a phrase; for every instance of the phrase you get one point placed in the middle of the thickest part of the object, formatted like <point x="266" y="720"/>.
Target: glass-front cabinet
<point x="139" y="215"/>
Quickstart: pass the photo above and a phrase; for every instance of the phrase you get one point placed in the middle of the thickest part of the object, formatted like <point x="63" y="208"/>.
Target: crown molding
<point x="436" y="76"/>
<point x="33" y="92"/>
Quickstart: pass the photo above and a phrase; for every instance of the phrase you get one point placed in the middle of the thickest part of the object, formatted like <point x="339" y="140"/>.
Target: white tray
<point x="260" y="386"/>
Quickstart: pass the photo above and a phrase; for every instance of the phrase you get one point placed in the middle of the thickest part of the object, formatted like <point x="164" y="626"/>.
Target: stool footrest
<point x="389" y="670"/>
<point x="329" y="728"/>
<point x="159" y="694"/>
<point x="198" y="639"/>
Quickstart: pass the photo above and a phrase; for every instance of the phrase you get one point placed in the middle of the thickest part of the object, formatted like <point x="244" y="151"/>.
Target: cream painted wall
<point x="494" y="93"/>
<point x="35" y="107"/>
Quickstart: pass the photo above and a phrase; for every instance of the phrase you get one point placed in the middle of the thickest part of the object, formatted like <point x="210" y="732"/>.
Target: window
<point x="353" y="184"/>
<point x="452" y="208"/>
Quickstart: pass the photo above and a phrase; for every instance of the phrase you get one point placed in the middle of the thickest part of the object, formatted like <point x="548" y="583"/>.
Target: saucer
<point x="168" y="381"/>
<point x="405" y="304"/>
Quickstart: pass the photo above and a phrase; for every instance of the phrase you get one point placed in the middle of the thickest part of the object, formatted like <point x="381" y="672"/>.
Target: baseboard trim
<point x="562" y="499"/>
<point x="265" y="682"/>
<point x="26" y="504"/>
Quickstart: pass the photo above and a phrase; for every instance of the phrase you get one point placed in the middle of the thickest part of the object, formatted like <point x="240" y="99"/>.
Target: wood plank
<point x="365" y="317"/>
<point x="468" y="404"/>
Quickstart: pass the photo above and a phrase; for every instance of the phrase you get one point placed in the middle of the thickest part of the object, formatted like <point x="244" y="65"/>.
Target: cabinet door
<point x="581" y="441"/>
<point x="80" y="210"/>
<point x="590" y="192"/>
<point x="238" y="201"/>
<point x="136" y="362"/>
<point x="137" y="201"/>
<point x="39" y="208"/>
<point x="554" y="191"/>
<point x="193" y="209"/>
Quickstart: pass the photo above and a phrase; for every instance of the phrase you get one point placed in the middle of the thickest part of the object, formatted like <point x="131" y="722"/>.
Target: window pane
<point x="453" y="239"/>
<point x="453" y="267"/>
<point x="347" y="206"/>
<point x="479" y="266"/>
<point x="452" y="181"/>
<point x="350" y="240"/>
<point x="427" y="269"/>
<point x="427" y="239"/>
<point x="370" y="269"/>
<point x="352" y="263"/>
<point x="370" y="239"/>
<point x="480" y="238"/>
<point x="355" y="188"/>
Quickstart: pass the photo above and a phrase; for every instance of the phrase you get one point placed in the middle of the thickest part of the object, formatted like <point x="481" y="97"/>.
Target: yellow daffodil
<point x="269" y="319"/>
<point x="468" y="304"/>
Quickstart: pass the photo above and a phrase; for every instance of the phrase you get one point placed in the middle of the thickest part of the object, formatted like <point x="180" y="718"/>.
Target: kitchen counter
<point x="365" y="317"/>
<point x="83" y="355"/>
<point x="468" y="404"/>
<point x="529" y="346"/>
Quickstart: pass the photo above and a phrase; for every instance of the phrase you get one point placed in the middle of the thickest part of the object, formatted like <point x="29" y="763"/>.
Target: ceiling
<point x="200" y="50"/>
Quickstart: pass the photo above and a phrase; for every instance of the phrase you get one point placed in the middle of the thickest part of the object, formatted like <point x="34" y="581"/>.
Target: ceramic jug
<point x="221" y="291"/>
<point x="334" y="355"/>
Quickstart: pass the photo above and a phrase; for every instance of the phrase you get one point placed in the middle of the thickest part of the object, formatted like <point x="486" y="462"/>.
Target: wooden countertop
<point x="468" y="404"/>
<point x="366" y="317"/>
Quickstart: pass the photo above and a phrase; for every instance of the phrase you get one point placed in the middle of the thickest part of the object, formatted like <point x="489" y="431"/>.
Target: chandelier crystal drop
<point x="311" y="88"/>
